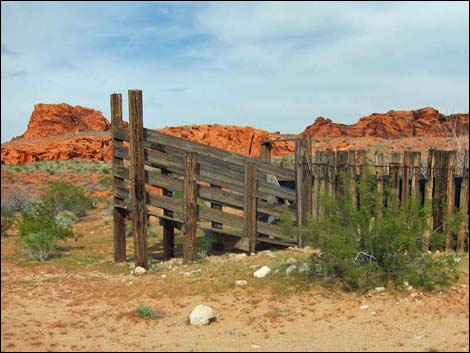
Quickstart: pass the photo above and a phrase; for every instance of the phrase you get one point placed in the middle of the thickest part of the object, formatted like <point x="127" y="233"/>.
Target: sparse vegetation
<point x="372" y="245"/>
<point x="146" y="312"/>
<point x="7" y="222"/>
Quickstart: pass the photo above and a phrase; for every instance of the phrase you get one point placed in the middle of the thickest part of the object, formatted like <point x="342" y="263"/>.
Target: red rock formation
<point x="395" y="124"/>
<point x="59" y="119"/>
<point x="231" y="138"/>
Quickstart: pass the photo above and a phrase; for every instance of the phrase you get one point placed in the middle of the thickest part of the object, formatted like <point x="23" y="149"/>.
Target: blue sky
<point x="275" y="66"/>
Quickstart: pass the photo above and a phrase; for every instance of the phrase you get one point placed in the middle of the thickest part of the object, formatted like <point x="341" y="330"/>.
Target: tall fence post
<point x="265" y="149"/>
<point x="450" y="199"/>
<point x="119" y="214"/>
<point x="249" y="209"/>
<point x="303" y="181"/>
<point x="405" y="187"/>
<point x="379" y="173"/>
<point x="168" y="227"/>
<point x="463" y="208"/>
<point x="394" y="170"/>
<point x="428" y="191"/>
<point x="190" y="207"/>
<point x="415" y="173"/>
<point x="137" y="177"/>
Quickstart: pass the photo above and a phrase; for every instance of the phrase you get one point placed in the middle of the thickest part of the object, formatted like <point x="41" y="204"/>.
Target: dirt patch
<point x="82" y="301"/>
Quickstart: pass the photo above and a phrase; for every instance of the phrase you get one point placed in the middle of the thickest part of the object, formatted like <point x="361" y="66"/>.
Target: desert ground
<point x="81" y="301"/>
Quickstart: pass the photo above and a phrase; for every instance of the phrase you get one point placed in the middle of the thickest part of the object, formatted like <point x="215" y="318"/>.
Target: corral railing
<point x="190" y="185"/>
<point x="239" y="200"/>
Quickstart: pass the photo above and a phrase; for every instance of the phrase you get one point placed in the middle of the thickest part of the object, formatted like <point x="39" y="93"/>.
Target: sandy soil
<point x="81" y="301"/>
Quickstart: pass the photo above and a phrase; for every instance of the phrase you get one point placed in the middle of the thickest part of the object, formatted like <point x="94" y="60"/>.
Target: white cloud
<point x="269" y="65"/>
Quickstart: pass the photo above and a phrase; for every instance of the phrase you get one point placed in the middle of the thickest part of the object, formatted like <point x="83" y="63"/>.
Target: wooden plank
<point x="440" y="186"/>
<point x="168" y="225"/>
<point x="450" y="198"/>
<point x="204" y="150"/>
<point x="406" y="187"/>
<point x="323" y="180"/>
<point x="463" y="206"/>
<point x="379" y="173"/>
<point x="394" y="170"/>
<point x="215" y="205"/>
<point x="266" y="148"/>
<point x="361" y="164"/>
<point x="428" y="193"/>
<point x="299" y="192"/>
<point x="119" y="214"/>
<point x="331" y="172"/>
<point x="342" y="165"/>
<point x="249" y="214"/>
<point x="415" y="173"/>
<point x="164" y="202"/>
<point x="190" y="208"/>
<point x="136" y="151"/>
<point x="352" y="177"/>
<point x="307" y="181"/>
<point x="316" y="184"/>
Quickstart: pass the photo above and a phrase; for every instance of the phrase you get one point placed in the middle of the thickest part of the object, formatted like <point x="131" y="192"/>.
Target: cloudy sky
<point x="275" y="66"/>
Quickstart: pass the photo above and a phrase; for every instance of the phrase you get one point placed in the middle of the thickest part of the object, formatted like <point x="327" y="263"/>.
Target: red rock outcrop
<point x="240" y="139"/>
<point x="59" y="119"/>
<point x="395" y="124"/>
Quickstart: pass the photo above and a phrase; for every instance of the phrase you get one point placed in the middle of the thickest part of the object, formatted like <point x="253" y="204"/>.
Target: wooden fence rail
<point x="241" y="199"/>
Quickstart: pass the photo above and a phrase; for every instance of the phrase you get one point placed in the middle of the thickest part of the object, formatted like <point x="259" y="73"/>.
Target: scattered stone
<point x="228" y="333"/>
<point x="241" y="283"/>
<point x="303" y="267"/>
<point x="202" y="315"/>
<point x="240" y="256"/>
<point x="379" y="289"/>
<point x="262" y="272"/>
<point x="414" y="295"/>
<point x="410" y="288"/>
<point x="373" y="313"/>
<point x="163" y="276"/>
<point x="290" y="269"/>
<point x="255" y="346"/>
<point x="139" y="270"/>
<point x="291" y="261"/>
<point x="67" y="291"/>
<point x="364" y="307"/>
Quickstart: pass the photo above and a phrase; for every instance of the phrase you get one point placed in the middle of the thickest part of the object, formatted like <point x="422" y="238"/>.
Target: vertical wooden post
<point x="463" y="208"/>
<point x="394" y="168"/>
<point x="428" y="199"/>
<point x="343" y="171"/>
<point x="299" y="192"/>
<point x="119" y="214"/>
<point x="415" y="173"/>
<point x="303" y="181"/>
<point x="249" y="216"/>
<point x="379" y="173"/>
<point x="332" y="172"/>
<point x="323" y="182"/>
<point x="266" y="148"/>
<point x="352" y="176"/>
<point x="136" y="150"/>
<point x="190" y="207"/>
<point x="440" y="182"/>
<point x="316" y="185"/>
<point x="362" y="169"/>
<point x="168" y="227"/>
<point x="216" y="206"/>
<point x="450" y="198"/>
<point x="405" y="188"/>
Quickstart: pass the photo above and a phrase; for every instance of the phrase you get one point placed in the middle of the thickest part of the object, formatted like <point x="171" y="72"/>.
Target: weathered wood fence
<point x="239" y="199"/>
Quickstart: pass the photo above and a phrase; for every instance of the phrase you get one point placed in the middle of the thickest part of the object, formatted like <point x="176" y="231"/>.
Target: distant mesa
<point x="62" y="131"/>
<point x="59" y="119"/>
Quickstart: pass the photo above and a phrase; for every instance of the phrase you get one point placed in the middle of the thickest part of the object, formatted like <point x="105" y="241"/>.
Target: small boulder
<point x="291" y="261"/>
<point x="139" y="270"/>
<point x="290" y="269"/>
<point x="202" y="315"/>
<point x="241" y="283"/>
<point x="379" y="289"/>
<point x="303" y="267"/>
<point x="262" y="272"/>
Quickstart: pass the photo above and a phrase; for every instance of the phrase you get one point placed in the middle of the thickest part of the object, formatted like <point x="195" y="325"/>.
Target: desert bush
<point x="66" y="219"/>
<point x="64" y="196"/>
<point x="15" y="200"/>
<point x="7" y="222"/>
<point x="147" y="312"/>
<point x="373" y="244"/>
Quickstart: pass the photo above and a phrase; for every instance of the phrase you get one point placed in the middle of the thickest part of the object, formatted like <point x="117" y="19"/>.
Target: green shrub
<point x="64" y="196"/>
<point x="39" y="245"/>
<point x="373" y="244"/>
<point x="146" y="312"/>
<point x="66" y="219"/>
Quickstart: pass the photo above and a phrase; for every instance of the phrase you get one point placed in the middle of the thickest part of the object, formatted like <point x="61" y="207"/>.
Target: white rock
<point x="364" y="307"/>
<point x="379" y="289"/>
<point x="139" y="270"/>
<point x="291" y="261"/>
<point x="290" y="269"/>
<point x="240" y="283"/>
<point x="410" y="288"/>
<point x="262" y="272"/>
<point x="303" y="267"/>
<point x="240" y="256"/>
<point x="163" y="276"/>
<point x="201" y="315"/>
